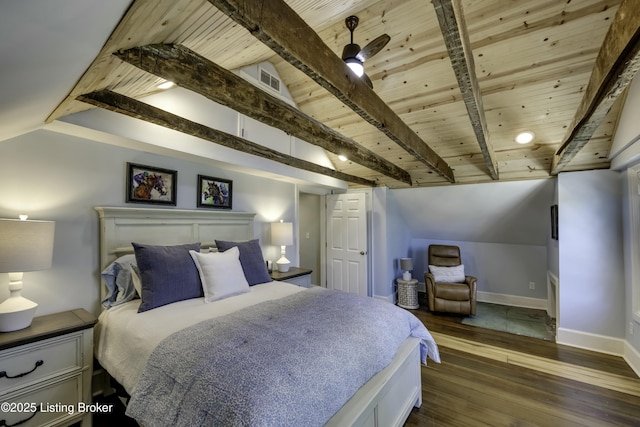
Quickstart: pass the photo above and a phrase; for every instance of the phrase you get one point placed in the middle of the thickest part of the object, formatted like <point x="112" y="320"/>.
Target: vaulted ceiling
<point x="456" y="83"/>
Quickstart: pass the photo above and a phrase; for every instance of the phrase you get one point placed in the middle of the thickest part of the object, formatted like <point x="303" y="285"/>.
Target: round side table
<point x="408" y="293"/>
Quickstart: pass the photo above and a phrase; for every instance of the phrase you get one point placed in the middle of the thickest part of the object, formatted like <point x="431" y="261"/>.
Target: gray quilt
<point x="288" y="362"/>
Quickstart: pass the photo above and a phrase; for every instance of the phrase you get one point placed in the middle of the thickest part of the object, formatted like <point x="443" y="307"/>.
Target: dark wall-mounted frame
<point x="215" y="193"/>
<point x="554" y="222"/>
<point x="150" y="184"/>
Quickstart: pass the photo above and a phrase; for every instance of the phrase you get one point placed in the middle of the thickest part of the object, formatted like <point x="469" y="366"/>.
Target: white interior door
<point x="347" y="243"/>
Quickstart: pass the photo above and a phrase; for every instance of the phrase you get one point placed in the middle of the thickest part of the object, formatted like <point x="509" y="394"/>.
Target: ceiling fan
<point x="354" y="57"/>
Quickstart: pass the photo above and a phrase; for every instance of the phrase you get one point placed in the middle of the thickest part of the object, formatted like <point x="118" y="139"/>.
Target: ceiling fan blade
<point x="367" y="80"/>
<point x="350" y="51"/>
<point x="373" y="47"/>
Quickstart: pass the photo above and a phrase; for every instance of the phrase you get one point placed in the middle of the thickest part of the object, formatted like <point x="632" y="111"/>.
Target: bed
<point x="175" y="357"/>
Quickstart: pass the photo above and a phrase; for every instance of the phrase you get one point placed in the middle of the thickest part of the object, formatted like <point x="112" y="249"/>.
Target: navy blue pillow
<point x="253" y="265"/>
<point x="167" y="273"/>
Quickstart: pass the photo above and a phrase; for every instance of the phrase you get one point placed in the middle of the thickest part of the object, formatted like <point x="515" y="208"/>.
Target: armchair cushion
<point x="448" y="274"/>
<point x="453" y="291"/>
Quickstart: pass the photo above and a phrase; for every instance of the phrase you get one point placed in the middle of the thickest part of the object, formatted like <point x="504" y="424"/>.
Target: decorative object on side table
<point x="282" y="235"/>
<point x="214" y="193"/>
<point x="406" y="265"/>
<point x="24" y="246"/>
<point x="148" y="184"/>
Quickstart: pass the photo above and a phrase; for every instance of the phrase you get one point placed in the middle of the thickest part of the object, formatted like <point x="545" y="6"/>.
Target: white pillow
<point x="135" y="279"/>
<point x="448" y="274"/>
<point x="221" y="274"/>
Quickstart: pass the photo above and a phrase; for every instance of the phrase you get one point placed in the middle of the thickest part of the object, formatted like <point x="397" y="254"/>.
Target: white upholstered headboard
<point x="119" y="226"/>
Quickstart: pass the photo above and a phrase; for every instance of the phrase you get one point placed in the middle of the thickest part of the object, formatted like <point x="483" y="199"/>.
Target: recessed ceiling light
<point x="342" y="157"/>
<point x="165" y="85"/>
<point x="524" y="137"/>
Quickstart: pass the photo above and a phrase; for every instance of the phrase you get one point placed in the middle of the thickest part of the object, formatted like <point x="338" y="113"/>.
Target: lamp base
<point x="406" y="276"/>
<point x="16" y="313"/>
<point x="283" y="264"/>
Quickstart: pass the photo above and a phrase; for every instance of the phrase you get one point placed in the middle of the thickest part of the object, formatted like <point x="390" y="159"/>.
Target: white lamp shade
<point x="282" y="233"/>
<point x="25" y="245"/>
<point x="406" y="264"/>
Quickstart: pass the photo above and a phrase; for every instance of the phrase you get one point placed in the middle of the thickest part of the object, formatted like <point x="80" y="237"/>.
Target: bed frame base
<point x="387" y="399"/>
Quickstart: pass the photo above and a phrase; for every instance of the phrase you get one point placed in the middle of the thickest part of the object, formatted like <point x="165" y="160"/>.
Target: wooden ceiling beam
<point x="456" y="38"/>
<point x="191" y="71"/>
<point x="278" y="26"/>
<point x="617" y="63"/>
<point x="118" y="103"/>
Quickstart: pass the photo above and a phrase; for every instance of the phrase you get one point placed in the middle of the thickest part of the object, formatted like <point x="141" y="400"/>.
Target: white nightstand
<point x="45" y="371"/>
<point x="295" y="275"/>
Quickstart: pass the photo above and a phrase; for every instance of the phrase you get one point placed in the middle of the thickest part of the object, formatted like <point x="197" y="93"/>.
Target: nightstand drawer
<point x="54" y="402"/>
<point x="33" y="362"/>
<point x="302" y="281"/>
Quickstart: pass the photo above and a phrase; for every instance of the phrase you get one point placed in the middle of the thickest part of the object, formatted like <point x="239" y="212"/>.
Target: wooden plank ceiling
<point x="430" y="119"/>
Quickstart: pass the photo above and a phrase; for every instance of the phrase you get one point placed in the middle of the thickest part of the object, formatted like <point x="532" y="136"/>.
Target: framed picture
<point x="554" y="222"/>
<point x="149" y="184"/>
<point x="214" y="192"/>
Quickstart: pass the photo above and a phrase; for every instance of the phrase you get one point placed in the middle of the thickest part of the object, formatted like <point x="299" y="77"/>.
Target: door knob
<point x="363" y="253"/>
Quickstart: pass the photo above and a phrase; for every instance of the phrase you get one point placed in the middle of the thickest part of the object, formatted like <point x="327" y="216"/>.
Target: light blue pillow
<point x="167" y="274"/>
<point x="117" y="278"/>
<point x="253" y="265"/>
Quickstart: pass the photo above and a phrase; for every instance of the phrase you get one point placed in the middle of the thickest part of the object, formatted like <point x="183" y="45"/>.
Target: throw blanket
<point x="293" y="361"/>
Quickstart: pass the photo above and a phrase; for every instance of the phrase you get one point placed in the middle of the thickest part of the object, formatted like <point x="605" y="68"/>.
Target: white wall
<point x="591" y="260"/>
<point x="310" y="209"/>
<point x="625" y="157"/>
<point x="500" y="212"/>
<point x="58" y="177"/>
<point x="503" y="270"/>
<point x="118" y="129"/>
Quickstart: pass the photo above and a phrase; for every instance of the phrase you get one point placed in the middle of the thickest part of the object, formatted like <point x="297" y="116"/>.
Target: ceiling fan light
<point x="356" y="66"/>
<point x="524" y="137"/>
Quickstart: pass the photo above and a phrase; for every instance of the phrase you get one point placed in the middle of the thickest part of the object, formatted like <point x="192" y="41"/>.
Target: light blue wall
<point x="591" y="258"/>
<point x="58" y="177"/>
<point x="502" y="230"/>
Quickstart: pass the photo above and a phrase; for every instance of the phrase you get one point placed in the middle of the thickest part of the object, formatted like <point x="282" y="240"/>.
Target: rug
<point x="515" y="320"/>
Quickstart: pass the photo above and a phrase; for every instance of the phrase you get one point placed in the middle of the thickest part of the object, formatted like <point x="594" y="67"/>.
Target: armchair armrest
<point x="471" y="281"/>
<point x="430" y="283"/>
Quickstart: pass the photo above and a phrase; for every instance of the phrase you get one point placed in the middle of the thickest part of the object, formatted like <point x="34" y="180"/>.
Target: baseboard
<point x="512" y="300"/>
<point x="593" y="342"/>
<point x="632" y="357"/>
<point x="388" y="298"/>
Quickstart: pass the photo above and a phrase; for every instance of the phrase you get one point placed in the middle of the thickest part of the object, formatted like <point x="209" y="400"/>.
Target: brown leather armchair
<point x="449" y="296"/>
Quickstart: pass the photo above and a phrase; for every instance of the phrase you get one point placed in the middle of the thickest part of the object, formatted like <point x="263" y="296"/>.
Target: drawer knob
<point x="4" y="373"/>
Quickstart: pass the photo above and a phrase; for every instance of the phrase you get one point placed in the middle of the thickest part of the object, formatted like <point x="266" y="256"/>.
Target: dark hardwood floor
<point x="491" y="378"/>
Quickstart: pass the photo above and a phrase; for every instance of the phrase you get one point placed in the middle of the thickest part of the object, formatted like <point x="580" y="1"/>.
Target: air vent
<point x="270" y="80"/>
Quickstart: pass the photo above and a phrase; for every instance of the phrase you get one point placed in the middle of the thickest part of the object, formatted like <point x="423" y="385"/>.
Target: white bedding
<point x="124" y="355"/>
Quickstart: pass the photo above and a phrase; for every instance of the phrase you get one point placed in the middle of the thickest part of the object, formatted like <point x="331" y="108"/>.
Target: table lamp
<point x="282" y="235"/>
<point x="406" y="265"/>
<point x="24" y="246"/>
